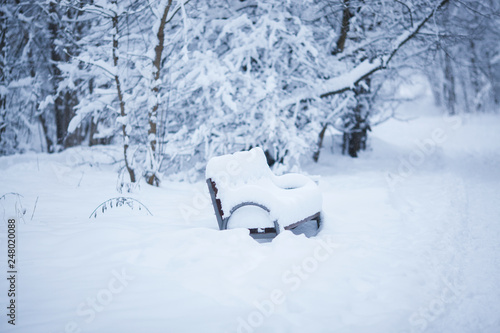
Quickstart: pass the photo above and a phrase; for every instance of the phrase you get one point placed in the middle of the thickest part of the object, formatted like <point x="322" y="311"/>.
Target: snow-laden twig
<point x="119" y="202"/>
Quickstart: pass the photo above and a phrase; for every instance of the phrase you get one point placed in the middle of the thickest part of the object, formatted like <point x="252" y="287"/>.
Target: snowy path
<point x="419" y="254"/>
<point x="481" y="249"/>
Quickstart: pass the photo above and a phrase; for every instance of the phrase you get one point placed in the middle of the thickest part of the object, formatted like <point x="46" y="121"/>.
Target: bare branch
<point x="409" y="11"/>
<point x="176" y="10"/>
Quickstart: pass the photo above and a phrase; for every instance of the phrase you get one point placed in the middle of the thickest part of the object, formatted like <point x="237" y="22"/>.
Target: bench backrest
<point x="238" y="168"/>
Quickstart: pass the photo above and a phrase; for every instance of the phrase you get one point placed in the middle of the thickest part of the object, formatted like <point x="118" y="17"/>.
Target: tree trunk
<point x="344" y="29"/>
<point x="3" y="71"/>
<point x="126" y="138"/>
<point x="321" y="137"/>
<point x="354" y="140"/>
<point x="151" y="175"/>
<point x="55" y="77"/>
<point x="449" y="85"/>
<point x="64" y="101"/>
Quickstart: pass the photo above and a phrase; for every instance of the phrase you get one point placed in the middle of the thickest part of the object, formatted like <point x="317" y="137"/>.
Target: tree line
<point x="174" y="82"/>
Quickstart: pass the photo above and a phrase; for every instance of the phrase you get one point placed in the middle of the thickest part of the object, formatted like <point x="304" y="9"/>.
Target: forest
<point x="173" y="83"/>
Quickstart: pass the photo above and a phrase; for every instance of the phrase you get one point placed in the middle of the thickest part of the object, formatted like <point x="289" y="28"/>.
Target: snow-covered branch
<point x="348" y="80"/>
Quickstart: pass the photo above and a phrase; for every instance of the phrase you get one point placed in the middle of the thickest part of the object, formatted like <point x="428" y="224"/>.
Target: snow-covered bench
<point x="246" y="193"/>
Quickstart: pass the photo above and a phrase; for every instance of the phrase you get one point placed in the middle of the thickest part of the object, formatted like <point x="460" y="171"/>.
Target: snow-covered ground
<point x="410" y="243"/>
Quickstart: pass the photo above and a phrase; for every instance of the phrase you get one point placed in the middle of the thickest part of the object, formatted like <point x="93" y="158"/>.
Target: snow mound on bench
<point x="245" y="177"/>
